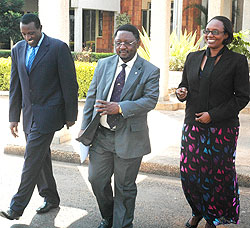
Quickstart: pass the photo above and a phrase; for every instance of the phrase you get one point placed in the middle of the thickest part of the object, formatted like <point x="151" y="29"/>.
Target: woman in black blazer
<point x="215" y="86"/>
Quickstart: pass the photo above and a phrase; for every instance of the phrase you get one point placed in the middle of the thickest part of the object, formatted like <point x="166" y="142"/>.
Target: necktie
<point x="31" y="58"/>
<point x="116" y="94"/>
<point x="205" y="80"/>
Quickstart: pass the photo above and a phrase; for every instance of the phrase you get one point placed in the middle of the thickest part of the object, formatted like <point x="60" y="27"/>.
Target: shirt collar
<point x="39" y="43"/>
<point x="129" y="63"/>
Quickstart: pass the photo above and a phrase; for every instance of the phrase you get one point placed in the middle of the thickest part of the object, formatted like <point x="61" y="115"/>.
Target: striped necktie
<point x="116" y="94"/>
<point x="31" y="58"/>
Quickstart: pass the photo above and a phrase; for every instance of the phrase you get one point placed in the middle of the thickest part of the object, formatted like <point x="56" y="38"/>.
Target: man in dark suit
<point x="125" y="87"/>
<point x="43" y="85"/>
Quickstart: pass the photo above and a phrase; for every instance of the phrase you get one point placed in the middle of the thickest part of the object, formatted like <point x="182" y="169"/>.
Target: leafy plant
<point x="122" y="19"/>
<point x="10" y="14"/>
<point x="144" y="49"/>
<point x="180" y="48"/>
<point x="240" y="43"/>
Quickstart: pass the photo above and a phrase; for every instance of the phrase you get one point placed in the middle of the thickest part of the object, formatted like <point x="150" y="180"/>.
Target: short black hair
<point x="228" y="28"/>
<point x="129" y="28"/>
<point x="30" y="17"/>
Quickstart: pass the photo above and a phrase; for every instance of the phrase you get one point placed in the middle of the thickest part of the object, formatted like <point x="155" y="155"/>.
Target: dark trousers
<point x="104" y="162"/>
<point x="37" y="170"/>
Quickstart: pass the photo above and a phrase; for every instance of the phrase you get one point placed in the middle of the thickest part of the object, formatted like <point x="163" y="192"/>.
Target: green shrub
<point x="5" y="67"/>
<point x="88" y="56"/>
<point x="96" y="56"/>
<point x="240" y="43"/>
<point x="5" y="53"/>
<point x="180" y="48"/>
<point x="84" y="72"/>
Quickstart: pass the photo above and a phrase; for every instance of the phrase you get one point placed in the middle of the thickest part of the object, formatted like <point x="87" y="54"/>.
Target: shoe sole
<point x="4" y="215"/>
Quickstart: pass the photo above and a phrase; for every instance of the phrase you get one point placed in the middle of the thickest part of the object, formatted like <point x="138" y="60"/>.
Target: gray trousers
<point x="103" y="164"/>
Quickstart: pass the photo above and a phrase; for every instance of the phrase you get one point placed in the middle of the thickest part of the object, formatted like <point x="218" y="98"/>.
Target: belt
<point x="106" y="129"/>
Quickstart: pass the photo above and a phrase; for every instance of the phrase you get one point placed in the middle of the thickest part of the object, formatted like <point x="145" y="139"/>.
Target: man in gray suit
<point x="43" y="85"/>
<point x="125" y="87"/>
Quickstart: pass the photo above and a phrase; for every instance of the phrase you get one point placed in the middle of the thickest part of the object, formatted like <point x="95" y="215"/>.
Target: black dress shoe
<point x="10" y="214"/>
<point x="188" y="225"/>
<point x="46" y="207"/>
<point x="106" y="223"/>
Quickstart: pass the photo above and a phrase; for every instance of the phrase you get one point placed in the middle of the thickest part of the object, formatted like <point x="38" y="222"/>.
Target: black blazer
<point x="228" y="88"/>
<point x="49" y="93"/>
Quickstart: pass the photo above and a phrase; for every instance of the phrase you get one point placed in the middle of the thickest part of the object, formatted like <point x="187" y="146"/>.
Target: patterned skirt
<point x="208" y="175"/>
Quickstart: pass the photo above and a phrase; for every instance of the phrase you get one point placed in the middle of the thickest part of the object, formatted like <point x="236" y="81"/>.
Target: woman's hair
<point x="228" y="28"/>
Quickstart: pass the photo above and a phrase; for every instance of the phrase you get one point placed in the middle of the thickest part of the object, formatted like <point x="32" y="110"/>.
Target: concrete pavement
<point x="160" y="201"/>
<point x="165" y="134"/>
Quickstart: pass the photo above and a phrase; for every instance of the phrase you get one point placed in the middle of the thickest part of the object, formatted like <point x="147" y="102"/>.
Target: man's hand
<point x="203" y="117"/>
<point x="181" y="93"/>
<point x="106" y="107"/>
<point x="69" y="124"/>
<point x="14" y="128"/>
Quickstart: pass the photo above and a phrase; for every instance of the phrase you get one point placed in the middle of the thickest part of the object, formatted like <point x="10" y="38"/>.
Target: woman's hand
<point x="181" y="93"/>
<point x="203" y="117"/>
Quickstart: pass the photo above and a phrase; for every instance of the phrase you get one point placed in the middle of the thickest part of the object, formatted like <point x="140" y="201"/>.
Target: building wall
<point x="105" y="42"/>
<point x="134" y="9"/>
<point x="190" y="17"/>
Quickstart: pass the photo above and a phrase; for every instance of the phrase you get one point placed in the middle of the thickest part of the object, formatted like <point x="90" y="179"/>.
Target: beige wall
<point x="219" y="8"/>
<point x="145" y="4"/>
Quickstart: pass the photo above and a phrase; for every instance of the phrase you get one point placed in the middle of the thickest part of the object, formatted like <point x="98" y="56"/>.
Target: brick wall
<point x="190" y="17"/>
<point x="134" y="9"/>
<point x="105" y="42"/>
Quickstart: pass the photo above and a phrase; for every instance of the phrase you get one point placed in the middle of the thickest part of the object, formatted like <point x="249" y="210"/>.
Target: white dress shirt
<point x="103" y="120"/>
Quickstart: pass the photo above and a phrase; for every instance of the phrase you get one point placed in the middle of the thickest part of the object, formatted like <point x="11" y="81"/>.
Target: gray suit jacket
<point x="48" y="94"/>
<point x="139" y="96"/>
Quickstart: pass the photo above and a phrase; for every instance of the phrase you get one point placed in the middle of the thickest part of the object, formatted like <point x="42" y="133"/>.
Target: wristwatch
<point x="120" y="109"/>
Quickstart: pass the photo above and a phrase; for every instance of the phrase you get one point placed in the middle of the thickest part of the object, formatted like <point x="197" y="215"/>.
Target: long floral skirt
<point x="208" y="175"/>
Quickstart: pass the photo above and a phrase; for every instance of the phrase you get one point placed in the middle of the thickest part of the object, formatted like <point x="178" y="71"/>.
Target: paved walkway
<point x="165" y="134"/>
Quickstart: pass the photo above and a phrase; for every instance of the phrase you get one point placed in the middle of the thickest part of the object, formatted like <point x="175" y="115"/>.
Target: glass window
<point x="100" y="23"/>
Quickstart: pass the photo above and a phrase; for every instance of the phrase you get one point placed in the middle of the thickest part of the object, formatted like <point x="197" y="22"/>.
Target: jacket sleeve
<point x="184" y="81"/>
<point x="15" y="93"/>
<point x="240" y="97"/>
<point x="147" y="101"/>
<point x="68" y="81"/>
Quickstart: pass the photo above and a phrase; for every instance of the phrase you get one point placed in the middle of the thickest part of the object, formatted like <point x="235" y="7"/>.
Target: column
<point x="219" y="8"/>
<point x="177" y="17"/>
<point x="159" y="50"/>
<point x="246" y="15"/>
<point x="54" y="16"/>
<point x="78" y="30"/>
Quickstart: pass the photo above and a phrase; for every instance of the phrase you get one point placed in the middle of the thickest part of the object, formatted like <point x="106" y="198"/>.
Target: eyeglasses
<point x="127" y="44"/>
<point x="213" y="32"/>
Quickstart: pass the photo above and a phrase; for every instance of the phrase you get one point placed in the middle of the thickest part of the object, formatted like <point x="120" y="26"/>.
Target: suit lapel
<point x="109" y="76"/>
<point x="133" y="76"/>
<point x="23" y="57"/>
<point x="198" y="66"/>
<point x="43" y="49"/>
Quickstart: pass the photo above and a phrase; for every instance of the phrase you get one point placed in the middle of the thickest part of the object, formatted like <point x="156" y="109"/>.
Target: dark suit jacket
<point x="228" y="88"/>
<point x="49" y="93"/>
<point x="139" y="96"/>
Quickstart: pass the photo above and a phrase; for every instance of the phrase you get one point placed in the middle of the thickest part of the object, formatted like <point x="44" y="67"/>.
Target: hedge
<point x="5" y="53"/>
<point x="5" y="66"/>
<point x="84" y="72"/>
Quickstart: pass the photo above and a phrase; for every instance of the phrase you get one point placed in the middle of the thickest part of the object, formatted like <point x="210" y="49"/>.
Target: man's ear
<point x="138" y="43"/>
